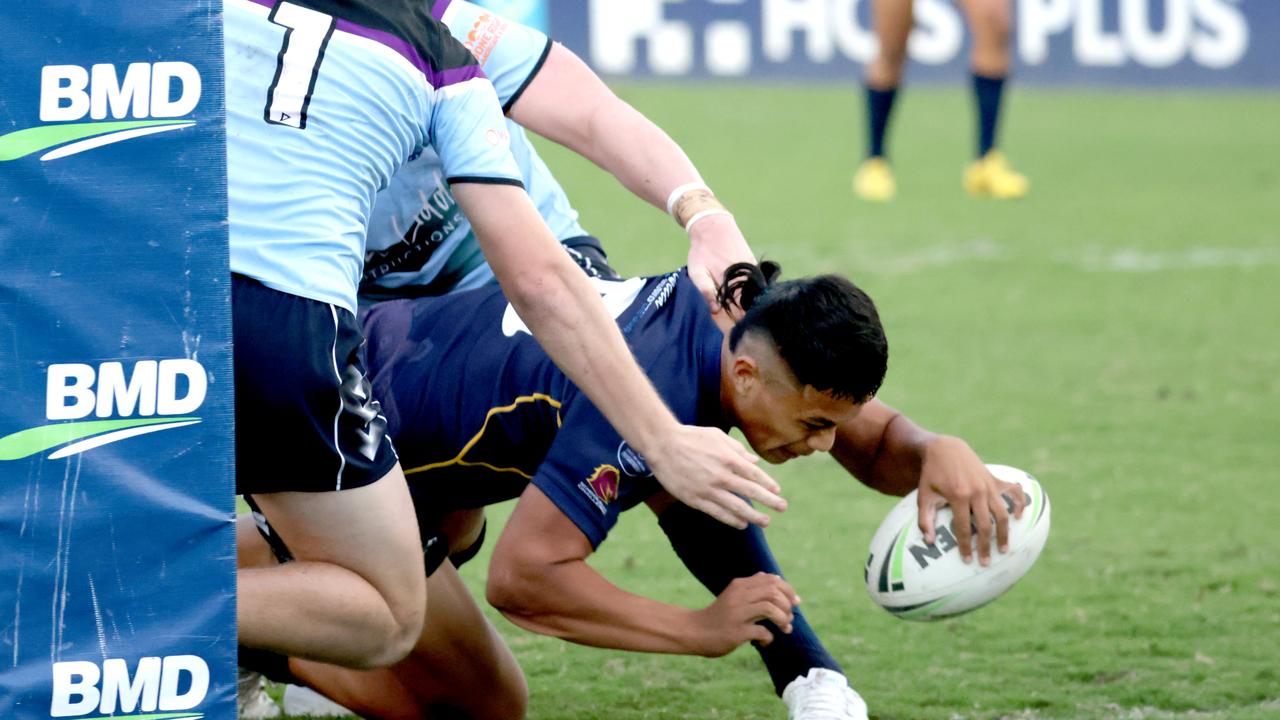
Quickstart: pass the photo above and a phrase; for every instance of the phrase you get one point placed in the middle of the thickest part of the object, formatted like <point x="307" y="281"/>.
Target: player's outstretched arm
<point x="540" y="580"/>
<point x="703" y="467"/>
<point x="568" y="103"/>
<point x="888" y="452"/>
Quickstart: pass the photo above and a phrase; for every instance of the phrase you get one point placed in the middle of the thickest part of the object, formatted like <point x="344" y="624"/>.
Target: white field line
<point x="1129" y="260"/>
<point x="1088" y="259"/>
<point x="981" y="250"/>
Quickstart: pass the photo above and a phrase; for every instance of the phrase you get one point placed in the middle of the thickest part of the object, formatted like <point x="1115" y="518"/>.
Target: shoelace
<point x="247" y="683"/>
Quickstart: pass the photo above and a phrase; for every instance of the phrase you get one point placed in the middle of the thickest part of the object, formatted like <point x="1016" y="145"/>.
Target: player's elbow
<point x="530" y="288"/>
<point x="543" y="294"/>
<point x="513" y="590"/>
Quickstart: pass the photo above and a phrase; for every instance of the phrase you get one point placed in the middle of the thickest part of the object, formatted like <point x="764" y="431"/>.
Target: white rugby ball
<point x="915" y="581"/>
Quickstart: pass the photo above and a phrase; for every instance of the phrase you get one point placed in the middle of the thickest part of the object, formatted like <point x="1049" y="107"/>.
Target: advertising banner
<point x="1206" y="43"/>
<point x="117" y="557"/>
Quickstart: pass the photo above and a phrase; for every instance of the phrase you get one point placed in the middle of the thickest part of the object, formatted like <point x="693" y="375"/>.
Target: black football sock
<point x="273" y="666"/>
<point x="879" y="107"/>
<point x="987" y="91"/>
<point x="716" y="554"/>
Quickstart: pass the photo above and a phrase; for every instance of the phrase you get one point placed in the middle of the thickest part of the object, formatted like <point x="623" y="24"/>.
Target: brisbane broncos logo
<point x="601" y="487"/>
<point x="604" y="481"/>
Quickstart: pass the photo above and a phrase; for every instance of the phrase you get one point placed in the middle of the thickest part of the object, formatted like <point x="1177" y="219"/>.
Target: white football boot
<point x="252" y="700"/>
<point x="823" y="695"/>
<point x="299" y="700"/>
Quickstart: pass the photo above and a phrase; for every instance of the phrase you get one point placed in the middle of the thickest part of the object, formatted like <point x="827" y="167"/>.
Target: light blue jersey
<point x="326" y="100"/>
<point x="419" y="241"/>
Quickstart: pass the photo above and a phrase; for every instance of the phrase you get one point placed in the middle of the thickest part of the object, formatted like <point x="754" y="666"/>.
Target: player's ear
<point x="746" y="374"/>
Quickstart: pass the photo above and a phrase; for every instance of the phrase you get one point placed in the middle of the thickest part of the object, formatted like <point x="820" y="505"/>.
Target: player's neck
<point x="728" y="411"/>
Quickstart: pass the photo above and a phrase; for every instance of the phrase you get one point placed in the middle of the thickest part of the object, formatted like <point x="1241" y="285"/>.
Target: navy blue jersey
<point x="478" y="410"/>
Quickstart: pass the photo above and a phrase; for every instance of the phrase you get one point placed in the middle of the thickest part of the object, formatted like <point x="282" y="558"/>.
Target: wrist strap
<point x="688" y="227"/>
<point x="674" y="197"/>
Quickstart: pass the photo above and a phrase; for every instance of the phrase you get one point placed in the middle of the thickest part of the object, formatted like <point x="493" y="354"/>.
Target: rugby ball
<point x="917" y="581"/>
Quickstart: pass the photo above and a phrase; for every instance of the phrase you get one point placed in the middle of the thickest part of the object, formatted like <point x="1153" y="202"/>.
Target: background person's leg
<point x="990" y="22"/>
<point x="892" y="21"/>
<point x="990" y="60"/>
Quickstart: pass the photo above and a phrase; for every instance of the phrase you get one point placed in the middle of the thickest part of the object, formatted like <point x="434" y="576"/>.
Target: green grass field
<point x="1117" y="334"/>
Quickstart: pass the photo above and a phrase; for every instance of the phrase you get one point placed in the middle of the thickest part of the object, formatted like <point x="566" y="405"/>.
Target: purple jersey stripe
<point x="436" y="78"/>
<point x="437" y="11"/>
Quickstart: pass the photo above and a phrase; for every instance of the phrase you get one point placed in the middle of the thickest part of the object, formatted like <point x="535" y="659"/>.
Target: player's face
<point x="783" y="420"/>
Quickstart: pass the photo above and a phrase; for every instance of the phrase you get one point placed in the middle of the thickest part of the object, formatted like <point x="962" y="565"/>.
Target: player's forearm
<point x="629" y="146"/>
<point x="883" y="449"/>
<point x="573" y="602"/>
<point x="564" y="312"/>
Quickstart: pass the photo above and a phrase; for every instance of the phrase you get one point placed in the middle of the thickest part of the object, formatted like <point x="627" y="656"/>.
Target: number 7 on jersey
<point x="298" y="64"/>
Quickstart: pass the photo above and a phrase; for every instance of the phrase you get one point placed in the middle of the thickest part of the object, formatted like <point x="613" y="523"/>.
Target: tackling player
<point x="989" y="60"/>
<point x="419" y="244"/>
<point x="481" y="415"/>
<point x="325" y="100"/>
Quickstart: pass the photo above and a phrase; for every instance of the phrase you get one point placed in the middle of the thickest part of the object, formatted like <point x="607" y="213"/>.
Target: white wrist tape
<point x="676" y="194"/>
<point x="688" y="227"/>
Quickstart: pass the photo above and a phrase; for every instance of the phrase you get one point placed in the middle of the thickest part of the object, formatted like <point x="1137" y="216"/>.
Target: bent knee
<point x="398" y="637"/>
<point x="394" y="646"/>
<point x="886" y="70"/>
<point x="893" y="58"/>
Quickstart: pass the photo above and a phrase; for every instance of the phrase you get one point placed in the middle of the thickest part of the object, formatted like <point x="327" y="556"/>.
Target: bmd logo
<point x="172" y="685"/>
<point x="148" y="98"/>
<point x="154" y="396"/>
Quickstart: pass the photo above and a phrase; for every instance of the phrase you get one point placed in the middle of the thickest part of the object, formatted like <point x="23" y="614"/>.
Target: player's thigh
<point x="989" y="21"/>
<point x="462" y="528"/>
<point x="892" y="21"/>
<point x="461" y="660"/>
<point x="371" y="530"/>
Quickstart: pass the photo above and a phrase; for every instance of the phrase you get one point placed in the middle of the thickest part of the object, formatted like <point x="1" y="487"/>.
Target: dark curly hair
<point x="824" y="327"/>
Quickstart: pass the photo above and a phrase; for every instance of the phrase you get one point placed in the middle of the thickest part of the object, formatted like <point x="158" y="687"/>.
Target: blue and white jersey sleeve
<point x="470" y="134"/>
<point x="510" y="53"/>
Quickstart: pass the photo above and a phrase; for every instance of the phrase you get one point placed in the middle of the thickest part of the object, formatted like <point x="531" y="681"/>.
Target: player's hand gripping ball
<point x="915" y="581"/>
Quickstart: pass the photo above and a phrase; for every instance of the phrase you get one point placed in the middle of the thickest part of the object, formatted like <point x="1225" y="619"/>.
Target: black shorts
<point x="435" y="549"/>
<point x="306" y="420"/>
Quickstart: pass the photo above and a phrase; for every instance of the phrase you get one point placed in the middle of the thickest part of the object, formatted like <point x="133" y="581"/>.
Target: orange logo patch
<point x="484" y="35"/>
